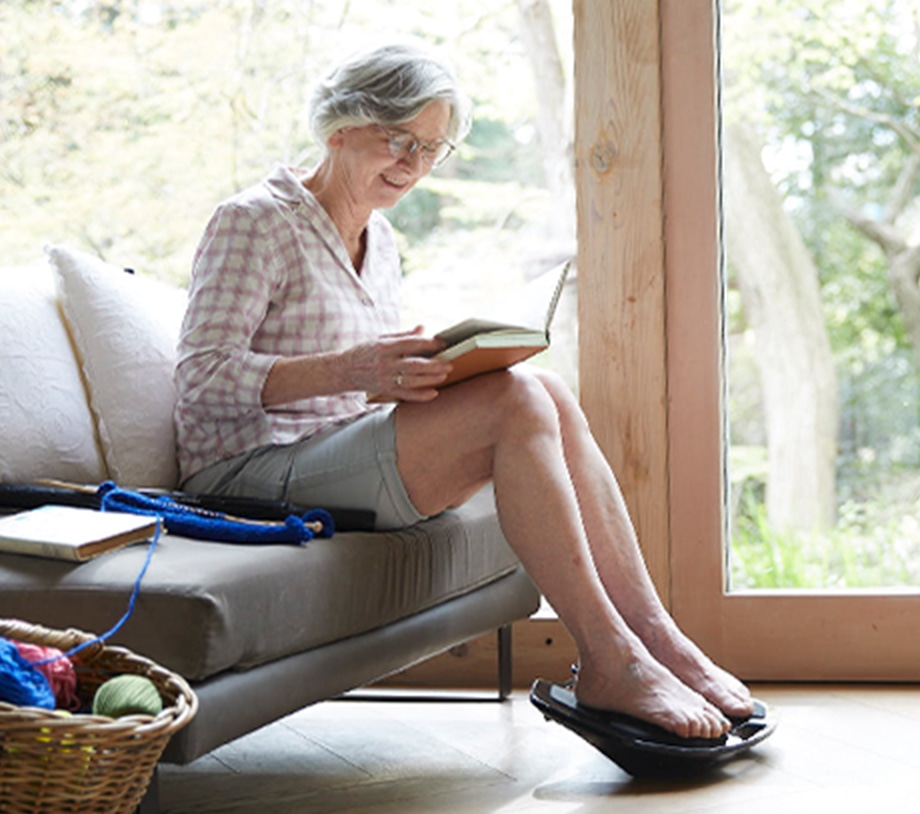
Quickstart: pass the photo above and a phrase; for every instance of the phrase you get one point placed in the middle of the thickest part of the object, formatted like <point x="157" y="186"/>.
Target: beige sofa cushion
<point x="208" y="607"/>
<point x="46" y="428"/>
<point x="125" y="327"/>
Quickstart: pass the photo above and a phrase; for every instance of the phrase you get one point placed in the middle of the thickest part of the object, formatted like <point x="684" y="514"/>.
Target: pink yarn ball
<point x="60" y="673"/>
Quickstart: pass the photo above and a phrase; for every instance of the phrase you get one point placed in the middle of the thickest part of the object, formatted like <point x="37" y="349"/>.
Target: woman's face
<point x="373" y="175"/>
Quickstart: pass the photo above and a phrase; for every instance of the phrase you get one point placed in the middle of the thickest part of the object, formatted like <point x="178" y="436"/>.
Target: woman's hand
<point x="397" y="367"/>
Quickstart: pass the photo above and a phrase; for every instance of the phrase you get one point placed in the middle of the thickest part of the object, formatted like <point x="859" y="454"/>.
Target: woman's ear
<point x="336" y="139"/>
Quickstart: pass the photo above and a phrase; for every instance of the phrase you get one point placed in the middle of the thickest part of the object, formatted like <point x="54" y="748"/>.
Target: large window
<point x="821" y="156"/>
<point x="836" y="632"/>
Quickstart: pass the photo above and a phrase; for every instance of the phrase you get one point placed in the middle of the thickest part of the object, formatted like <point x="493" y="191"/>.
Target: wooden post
<point x="621" y="291"/>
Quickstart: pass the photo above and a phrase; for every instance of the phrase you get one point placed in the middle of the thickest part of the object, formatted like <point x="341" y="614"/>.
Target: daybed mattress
<point x="208" y="607"/>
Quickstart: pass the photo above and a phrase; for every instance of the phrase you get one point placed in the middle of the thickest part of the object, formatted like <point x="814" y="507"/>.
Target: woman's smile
<point x="394" y="183"/>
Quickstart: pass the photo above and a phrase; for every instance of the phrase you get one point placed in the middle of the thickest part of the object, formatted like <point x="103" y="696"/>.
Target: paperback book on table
<point x="71" y="532"/>
<point x="477" y="346"/>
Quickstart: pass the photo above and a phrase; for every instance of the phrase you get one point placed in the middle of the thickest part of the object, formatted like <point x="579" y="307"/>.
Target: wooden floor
<point x="845" y="749"/>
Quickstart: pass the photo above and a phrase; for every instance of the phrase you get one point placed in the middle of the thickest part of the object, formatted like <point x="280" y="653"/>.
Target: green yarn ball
<point x="127" y="695"/>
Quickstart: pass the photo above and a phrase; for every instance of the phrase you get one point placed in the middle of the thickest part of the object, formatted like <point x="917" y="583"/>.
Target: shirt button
<point x="365" y="300"/>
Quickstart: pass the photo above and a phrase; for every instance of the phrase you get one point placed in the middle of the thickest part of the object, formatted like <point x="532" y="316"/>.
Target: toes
<point x="738" y="705"/>
<point x="704" y="721"/>
<point x="710" y="723"/>
<point x="712" y="726"/>
<point x="720" y="726"/>
<point x="731" y="698"/>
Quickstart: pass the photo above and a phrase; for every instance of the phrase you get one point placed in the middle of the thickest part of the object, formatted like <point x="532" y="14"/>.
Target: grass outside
<point x="875" y="543"/>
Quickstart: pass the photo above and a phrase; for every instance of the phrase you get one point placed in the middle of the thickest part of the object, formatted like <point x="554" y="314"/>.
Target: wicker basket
<point x="85" y="763"/>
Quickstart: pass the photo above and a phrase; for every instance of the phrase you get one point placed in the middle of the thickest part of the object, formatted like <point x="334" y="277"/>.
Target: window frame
<point x="765" y="635"/>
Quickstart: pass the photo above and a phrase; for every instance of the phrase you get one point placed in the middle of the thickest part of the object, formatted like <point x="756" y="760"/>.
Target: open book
<point x="71" y="532"/>
<point x="477" y="346"/>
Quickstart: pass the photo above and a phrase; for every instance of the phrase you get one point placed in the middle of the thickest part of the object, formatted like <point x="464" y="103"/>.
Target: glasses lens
<point x="437" y="154"/>
<point x="402" y="144"/>
<point x="399" y="144"/>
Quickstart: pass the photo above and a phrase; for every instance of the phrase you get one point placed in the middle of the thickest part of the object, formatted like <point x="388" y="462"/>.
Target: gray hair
<point x="387" y="85"/>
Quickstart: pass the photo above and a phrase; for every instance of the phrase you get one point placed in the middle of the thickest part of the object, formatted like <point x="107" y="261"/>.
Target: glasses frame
<point x="403" y="144"/>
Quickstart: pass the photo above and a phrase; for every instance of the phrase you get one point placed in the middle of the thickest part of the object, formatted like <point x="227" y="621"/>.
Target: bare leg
<point x="506" y="427"/>
<point x="621" y="567"/>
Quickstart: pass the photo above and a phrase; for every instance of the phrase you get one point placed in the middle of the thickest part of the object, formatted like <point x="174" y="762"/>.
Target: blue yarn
<point x="191" y="521"/>
<point x="20" y="683"/>
<point x="132" y="600"/>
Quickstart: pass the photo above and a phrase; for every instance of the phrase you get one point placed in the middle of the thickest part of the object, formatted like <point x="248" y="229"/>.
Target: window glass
<point x="125" y="122"/>
<point x="821" y="211"/>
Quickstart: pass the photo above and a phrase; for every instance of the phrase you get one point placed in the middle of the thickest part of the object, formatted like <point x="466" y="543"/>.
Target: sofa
<point x="259" y="631"/>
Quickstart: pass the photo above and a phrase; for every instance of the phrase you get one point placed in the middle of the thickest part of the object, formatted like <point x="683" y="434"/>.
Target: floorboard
<point x="847" y="749"/>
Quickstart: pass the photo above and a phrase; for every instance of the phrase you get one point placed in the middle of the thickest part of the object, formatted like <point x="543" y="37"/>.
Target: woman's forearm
<point x="397" y="364"/>
<point x="300" y="377"/>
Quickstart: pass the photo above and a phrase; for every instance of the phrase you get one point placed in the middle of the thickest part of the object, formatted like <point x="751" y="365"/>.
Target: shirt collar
<point x="284" y="185"/>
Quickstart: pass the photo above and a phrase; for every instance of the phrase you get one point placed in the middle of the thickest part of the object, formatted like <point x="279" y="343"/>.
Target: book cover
<point x="477" y="346"/>
<point x="71" y="532"/>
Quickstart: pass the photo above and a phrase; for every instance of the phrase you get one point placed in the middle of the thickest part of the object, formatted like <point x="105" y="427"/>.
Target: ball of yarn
<point x="57" y="669"/>
<point x="20" y="683"/>
<point x="127" y="695"/>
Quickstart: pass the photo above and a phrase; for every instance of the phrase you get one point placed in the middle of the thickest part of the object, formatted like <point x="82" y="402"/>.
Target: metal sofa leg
<point x="505" y="665"/>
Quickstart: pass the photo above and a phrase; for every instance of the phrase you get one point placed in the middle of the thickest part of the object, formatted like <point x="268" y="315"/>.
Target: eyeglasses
<point x="402" y="144"/>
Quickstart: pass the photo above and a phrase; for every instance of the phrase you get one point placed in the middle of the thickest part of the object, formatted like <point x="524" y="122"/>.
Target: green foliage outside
<point x="124" y="122"/>
<point x="873" y="545"/>
<point x="834" y="91"/>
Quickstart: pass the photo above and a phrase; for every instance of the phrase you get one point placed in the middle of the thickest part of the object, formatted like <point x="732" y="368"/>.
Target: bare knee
<point x="526" y="404"/>
<point x="565" y="401"/>
<point x="555" y="385"/>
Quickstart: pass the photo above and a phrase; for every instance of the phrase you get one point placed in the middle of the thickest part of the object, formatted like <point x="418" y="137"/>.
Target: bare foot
<point x="642" y="687"/>
<point x="687" y="662"/>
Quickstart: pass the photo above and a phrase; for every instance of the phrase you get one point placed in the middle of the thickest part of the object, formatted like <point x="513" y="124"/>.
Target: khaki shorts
<point x="349" y="466"/>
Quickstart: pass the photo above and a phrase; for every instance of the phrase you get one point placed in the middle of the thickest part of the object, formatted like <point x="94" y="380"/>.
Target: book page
<point x="470" y="327"/>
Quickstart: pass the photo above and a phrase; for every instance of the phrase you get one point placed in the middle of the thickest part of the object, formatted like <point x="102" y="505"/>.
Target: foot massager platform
<point x="643" y="749"/>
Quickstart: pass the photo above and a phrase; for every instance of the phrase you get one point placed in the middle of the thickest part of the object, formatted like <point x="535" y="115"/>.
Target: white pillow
<point x="125" y="329"/>
<point x="46" y="428"/>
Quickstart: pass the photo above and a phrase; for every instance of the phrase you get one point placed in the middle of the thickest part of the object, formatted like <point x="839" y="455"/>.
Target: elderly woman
<point x="293" y="320"/>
